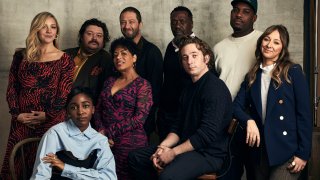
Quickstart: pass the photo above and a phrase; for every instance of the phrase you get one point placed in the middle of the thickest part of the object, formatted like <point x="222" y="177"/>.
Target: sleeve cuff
<point x="194" y="142"/>
<point x="304" y="156"/>
<point x="69" y="171"/>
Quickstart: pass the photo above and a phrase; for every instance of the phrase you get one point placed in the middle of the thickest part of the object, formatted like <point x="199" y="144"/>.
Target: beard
<point x="132" y="35"/>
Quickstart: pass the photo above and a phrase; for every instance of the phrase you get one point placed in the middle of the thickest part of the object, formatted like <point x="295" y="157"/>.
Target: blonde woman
<point x="40" y="79"/>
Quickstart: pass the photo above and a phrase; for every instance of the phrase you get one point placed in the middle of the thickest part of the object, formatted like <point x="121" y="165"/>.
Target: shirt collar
<point x="176" y="48"/>
<point x="74" y="130"/>
<point x="268" y="68"/>
<point x="243" y="38"/>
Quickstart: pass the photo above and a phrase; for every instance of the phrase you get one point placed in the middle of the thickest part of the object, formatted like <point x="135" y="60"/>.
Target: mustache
<point x="94" y="41"/>
<point x="127" y="29"/>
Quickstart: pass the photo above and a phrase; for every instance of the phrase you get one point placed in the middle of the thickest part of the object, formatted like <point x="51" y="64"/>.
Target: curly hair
<point x="95" y="22"/>
<point x="126" y="44"/>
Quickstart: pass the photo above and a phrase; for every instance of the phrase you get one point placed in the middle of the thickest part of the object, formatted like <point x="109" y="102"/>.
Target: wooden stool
<point x="211" y="176"/>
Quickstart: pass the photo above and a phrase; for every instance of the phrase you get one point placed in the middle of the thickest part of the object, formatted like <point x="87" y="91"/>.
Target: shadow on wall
<point x="5" y="117"/>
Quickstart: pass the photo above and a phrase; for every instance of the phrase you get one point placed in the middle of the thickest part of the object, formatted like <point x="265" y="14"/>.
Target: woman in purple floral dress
<point x="123" y="106"/>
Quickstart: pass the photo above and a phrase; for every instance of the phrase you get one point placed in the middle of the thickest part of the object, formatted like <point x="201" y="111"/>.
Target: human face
<point x="123" y="60"/>
<point x="194" y="62"/>
<point x="242" y="19"/>
<point x="48" y="32"/>
<point x="181" y="24"/>
<point x="92" y="39"/>
<point x="130" y="27"/>
<point x="271" y="47"/>
<point x="81" y="110"/>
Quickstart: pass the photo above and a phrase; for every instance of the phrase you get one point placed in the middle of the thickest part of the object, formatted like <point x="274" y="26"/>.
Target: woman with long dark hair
<point x="273" y="105"/>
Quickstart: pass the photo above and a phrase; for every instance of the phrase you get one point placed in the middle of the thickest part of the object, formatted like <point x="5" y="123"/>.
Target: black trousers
<point x="189" y="165"/>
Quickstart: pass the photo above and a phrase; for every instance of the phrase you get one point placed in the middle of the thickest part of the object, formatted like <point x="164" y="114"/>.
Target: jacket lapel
<point x="256" y="93"/>
<point x="272" y="98"/>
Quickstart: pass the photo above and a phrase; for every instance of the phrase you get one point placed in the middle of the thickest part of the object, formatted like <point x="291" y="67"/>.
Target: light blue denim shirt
<point x="67" y="136"/>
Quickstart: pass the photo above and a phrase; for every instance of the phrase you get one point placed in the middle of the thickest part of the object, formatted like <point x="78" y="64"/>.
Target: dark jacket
<point x="93" y="73"/>
<point x="287" y="129"/>
<point x="175" y="80"/>
<point x="150" y="67"/>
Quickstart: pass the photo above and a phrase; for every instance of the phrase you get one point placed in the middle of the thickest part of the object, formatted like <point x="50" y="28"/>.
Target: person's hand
<point x="32" y="119"/>
<point x="155" y="159"/>
<point x="166" y="156"/>
<point x="253" y="135"/>
<point x="296" y="165"/>
<point x="25" y="118"/>
<point x="54" y="161"/>
<point x="111" y="142"/>
<point x="38" y="117"/>
<point x="102" y="131"/>
<point x="156" y="164"/>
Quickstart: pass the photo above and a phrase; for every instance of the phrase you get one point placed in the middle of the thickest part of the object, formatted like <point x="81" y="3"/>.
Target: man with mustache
<point x="92" y="63"/>
<point x="149" y="63"/>
<point x="234" y="57"/>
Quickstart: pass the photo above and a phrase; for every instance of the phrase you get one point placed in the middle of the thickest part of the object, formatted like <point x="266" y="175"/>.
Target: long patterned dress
<point x="35" y="86"/>
<point x="122" y="116"/>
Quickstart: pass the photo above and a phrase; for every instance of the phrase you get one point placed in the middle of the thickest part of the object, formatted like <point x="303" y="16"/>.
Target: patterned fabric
<point x="122" y="116"/>
<point x="35" y="86"/>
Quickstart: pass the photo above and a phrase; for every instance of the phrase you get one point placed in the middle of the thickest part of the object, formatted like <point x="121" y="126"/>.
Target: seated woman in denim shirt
<point x="73" y="149"/>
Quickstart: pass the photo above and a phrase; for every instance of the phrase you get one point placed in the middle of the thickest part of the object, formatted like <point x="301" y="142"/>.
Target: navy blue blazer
<point x="287" y="130"/>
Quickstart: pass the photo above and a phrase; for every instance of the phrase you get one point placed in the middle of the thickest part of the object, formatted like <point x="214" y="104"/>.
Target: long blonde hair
<point x="283" y="63"/>
<point x="32" y="52"/>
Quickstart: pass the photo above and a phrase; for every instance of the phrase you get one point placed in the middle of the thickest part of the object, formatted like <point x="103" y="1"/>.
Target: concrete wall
<point x="211" y="23"/>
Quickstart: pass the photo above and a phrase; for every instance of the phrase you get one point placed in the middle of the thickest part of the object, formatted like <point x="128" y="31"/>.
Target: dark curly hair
<point x="95" y="22"/>
<point x="126" y="44"/>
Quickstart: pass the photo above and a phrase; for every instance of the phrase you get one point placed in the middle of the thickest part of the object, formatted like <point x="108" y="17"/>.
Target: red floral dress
<point x="35" y="86"/>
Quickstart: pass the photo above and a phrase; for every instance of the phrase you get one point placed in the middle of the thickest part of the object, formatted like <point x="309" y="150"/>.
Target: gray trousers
<point x="263" y="171"/>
